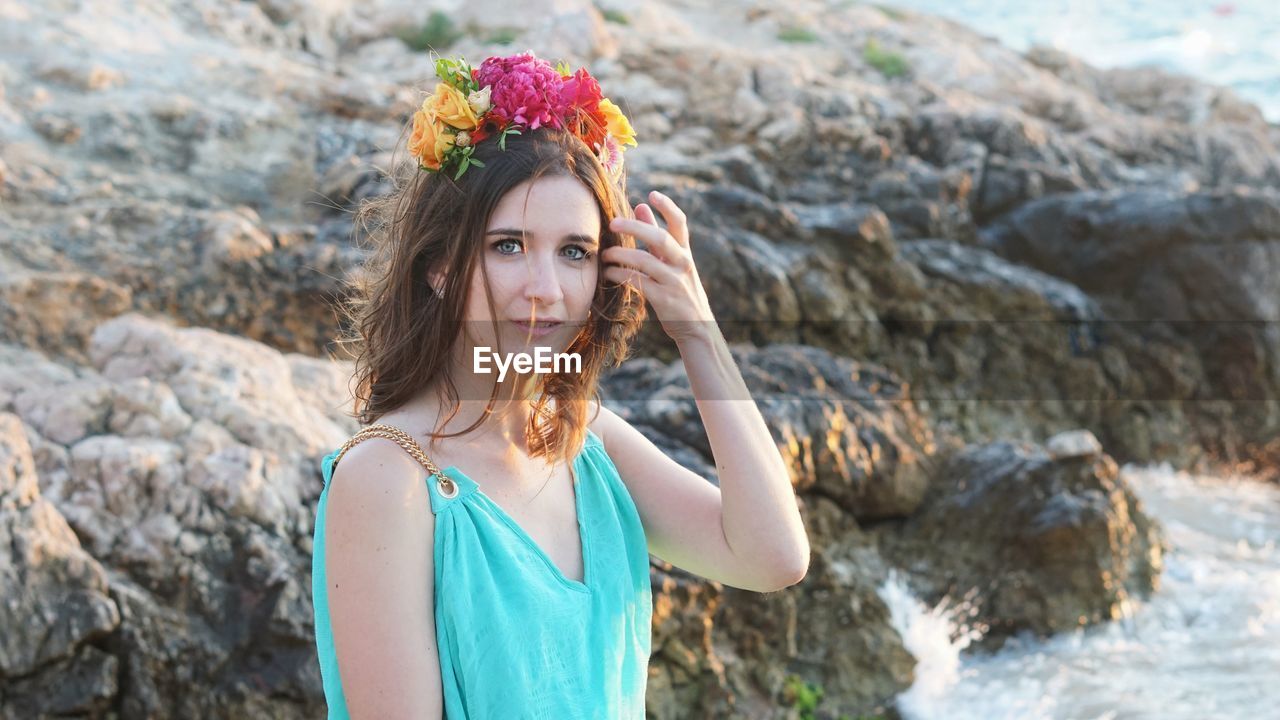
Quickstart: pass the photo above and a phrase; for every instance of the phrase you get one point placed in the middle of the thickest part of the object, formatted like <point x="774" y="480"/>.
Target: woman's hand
<point x="664" y="270"/>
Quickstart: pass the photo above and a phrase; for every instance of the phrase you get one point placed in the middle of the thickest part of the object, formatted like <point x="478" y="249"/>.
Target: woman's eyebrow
<point x="516" y="232"/>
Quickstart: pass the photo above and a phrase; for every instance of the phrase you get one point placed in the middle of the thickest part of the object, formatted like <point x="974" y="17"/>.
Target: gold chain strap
<point x="448" y="488"/>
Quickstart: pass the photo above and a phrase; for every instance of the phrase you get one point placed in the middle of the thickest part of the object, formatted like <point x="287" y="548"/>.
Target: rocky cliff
<point x="963" y="283"/>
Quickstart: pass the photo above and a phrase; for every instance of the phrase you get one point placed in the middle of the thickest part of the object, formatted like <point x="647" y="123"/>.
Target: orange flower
<point x="429" y="142"/>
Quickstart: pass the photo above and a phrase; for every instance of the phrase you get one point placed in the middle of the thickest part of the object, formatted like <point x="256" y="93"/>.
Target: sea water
<point x="1234" y="43"/>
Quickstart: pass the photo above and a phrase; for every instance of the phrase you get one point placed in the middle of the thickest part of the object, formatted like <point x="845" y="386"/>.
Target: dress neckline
<point x="467" y="486"/>
<point x="583" y="585"/>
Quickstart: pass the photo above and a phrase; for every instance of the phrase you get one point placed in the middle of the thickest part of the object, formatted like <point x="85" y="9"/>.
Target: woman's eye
<point x="500" y="243"/>
<point x="585" y="253"/>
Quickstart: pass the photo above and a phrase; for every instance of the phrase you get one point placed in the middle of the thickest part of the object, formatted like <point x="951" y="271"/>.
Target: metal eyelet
<point x="448" y="488"/>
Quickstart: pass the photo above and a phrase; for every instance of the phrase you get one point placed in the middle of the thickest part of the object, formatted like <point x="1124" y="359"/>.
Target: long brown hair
<point x="403" y="332"/>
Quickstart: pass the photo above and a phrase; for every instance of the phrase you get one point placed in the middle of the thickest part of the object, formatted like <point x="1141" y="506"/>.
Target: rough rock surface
<point x="1048" y="541"/>
<point x="160" y="505"/>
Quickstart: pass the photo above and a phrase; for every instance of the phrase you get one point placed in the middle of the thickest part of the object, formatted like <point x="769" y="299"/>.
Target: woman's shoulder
<point x="378" y="470"/>
<point x="599" y="420"/>
<point x="378" y="502"/>
<point x="387" y="440"/>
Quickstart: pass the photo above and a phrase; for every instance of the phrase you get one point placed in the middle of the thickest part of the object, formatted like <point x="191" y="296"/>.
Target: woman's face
<point x="548" y="273"/>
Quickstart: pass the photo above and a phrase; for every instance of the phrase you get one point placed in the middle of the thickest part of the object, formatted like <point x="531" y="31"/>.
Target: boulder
<point x="57" y="614"/>
<point x="1041" y="541"/>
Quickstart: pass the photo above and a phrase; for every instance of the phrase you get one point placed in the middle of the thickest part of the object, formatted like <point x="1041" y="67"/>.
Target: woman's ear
<point x="437" y="282"/>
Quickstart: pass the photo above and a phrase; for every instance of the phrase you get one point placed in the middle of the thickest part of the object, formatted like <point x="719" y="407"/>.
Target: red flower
<point x="491" y="123"/>
<point x="580" y="89"/>
<point x="580" y="96"/>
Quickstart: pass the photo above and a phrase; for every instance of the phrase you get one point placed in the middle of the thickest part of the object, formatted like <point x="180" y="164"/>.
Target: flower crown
<point x="508" y="93"/>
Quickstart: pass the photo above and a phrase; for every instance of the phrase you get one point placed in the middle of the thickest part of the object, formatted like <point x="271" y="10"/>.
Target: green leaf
<point x="455" y="73"/>
<point x="511" y="130"/>
<point x="444" y="68"/>
<point x="476" y="162"/>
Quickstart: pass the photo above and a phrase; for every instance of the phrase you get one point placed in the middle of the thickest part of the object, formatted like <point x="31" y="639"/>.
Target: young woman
<point x="482" y="544"/>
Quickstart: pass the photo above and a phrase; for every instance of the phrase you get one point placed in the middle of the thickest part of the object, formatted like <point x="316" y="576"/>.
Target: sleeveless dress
<point x="516" y="638"/>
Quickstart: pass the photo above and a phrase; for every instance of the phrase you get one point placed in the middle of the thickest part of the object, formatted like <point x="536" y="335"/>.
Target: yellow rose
<point x="429" y="142"/>
<point x="618" y="124"/>
<point x="452" y="107"/>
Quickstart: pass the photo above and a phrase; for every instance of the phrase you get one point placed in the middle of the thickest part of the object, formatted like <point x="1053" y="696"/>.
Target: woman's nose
<point x="542" y="281"/>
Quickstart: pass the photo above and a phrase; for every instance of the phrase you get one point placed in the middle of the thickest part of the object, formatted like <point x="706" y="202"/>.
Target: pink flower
<point x="581" y="89"/>
<point x="611" y="156"/>
<point x="525" y="88"/>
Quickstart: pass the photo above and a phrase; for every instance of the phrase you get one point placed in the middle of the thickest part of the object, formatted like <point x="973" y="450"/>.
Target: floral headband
<point x="508" y="93"/>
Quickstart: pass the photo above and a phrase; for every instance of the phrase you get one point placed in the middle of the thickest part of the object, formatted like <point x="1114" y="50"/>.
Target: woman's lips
<point x="537" y="330"/>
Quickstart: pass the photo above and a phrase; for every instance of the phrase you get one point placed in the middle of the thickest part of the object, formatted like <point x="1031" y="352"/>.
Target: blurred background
<point x="1004" y="279"/>
<point x="1225" y="43"/>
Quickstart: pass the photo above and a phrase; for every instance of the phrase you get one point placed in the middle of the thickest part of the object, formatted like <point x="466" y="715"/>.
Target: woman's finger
<point x="655" y="240"/>
<point x="677" y="221"/>
<point x="636" y="260"/>
<point x="625" y="276"/>
<point x="645" y="213"/>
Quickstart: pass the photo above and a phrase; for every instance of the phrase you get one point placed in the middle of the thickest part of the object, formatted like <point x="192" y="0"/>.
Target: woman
<point x="481" y="545"/>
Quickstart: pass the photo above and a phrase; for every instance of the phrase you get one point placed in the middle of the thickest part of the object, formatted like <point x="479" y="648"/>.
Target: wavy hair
<point x="403" y="333"/>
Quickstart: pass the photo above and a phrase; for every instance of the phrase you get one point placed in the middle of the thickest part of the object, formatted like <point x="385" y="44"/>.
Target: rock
<point x="1154" y="91"/>
<point x="176" y="477"/>
<point x="1122" y="380"/>
<point x="52" y="309"/>
<point x="1158" y="241"/>
<point x="80" y="685"/>
<point x="835" y="626"/>
<point x="1204" y="266"/>
<point x="1046" y="543"/>
<point x="986" y="272"/>
<point x="56" y="606"/>
<point x="1073" y="444"/>
<point x="82" y="76"/>
<point x="686" y="672"/>
<point x="830" y="418"/>
<point x="217" y="268"/>
<point x="349" y="182"/>
<point x="852" y="231"/>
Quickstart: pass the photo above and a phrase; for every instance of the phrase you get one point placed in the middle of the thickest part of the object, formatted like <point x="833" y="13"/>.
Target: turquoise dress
<point x="516" y="638"/>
